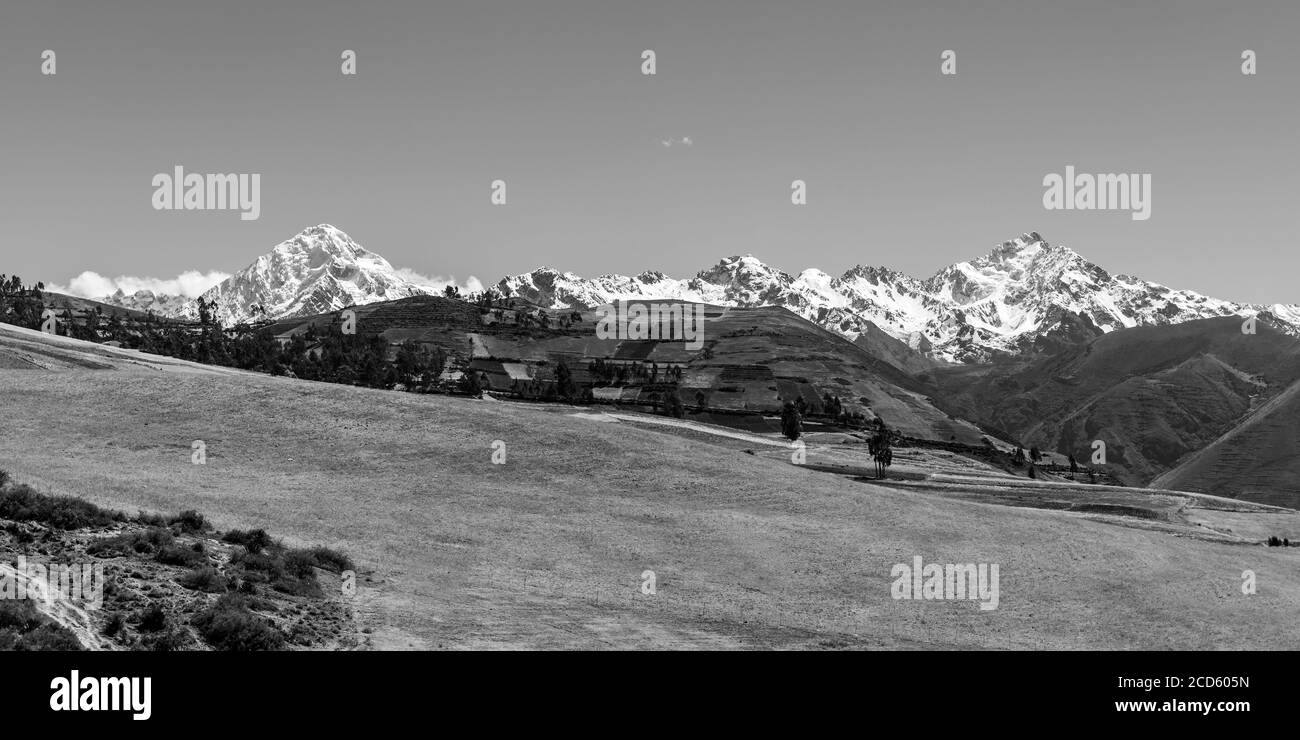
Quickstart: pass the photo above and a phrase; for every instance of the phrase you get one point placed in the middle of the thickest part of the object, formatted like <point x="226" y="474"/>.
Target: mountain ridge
<point x="1005" y="302"/>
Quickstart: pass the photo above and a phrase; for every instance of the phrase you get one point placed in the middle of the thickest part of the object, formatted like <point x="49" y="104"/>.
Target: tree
<point x="673" y="404"/>
<point x="564" y="385"/>
<point x="791" y="422"/>
<point x="879" y="448"/>
<point x="469" y="383"/>
<point x="1035" y="454"/>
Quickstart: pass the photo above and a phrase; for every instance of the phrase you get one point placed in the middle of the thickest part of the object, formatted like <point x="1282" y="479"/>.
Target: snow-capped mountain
<point x="161" y="304"/>
<point x="318" y="270"/>
<point x="1024" y="292"/>
<point x="1002" y="302"/>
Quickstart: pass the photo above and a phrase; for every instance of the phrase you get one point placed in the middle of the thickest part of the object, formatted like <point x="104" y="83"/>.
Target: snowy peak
<point x="1000" y="303"/>
<point x="319" y="269"/>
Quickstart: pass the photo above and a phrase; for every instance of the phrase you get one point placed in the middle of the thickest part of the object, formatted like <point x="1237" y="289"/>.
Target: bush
<point x="190" y="522"/>
<point x="148" y="542"/>
<point x="4" y="478"/>
<point x="205" y="579"/>
<point x="331" y="560"/>
<point x="114" y="626"/>
<point x="151" y="520"/>
<point x="230" y="625"/>
<point x="253" y="540"/>
<point x="21" y="535"/>
<point x="130" y="542"/>
<point x="153" y="619"/>
<point x="176" y="638"/>
<point x="22" y="504"/>
<point x="22" y="627"/>
<point x="179" y="555"/>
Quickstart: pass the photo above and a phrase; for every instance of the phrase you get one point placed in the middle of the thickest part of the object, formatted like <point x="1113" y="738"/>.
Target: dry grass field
<point x="548" y="549"/>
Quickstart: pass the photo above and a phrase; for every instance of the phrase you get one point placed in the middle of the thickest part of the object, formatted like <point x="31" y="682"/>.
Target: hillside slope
<point x="751" y="360"/>
<point x="1258" y="460"/>
<point x="1152" y="394"/>
<point x="548" y="550"/>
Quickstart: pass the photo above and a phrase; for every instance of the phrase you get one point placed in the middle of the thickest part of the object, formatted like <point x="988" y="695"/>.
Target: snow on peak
<point x="1000" y="302"/>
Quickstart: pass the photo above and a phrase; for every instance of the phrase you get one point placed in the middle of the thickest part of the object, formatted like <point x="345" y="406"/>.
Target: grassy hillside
<point x="549" y="548"/>
<point x="1152" y="394"/>
<point x="751" y="362"/>
<point x="1258" y="460"/>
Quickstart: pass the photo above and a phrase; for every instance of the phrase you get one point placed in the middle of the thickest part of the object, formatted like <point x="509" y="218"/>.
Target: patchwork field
<point x="548" y="550"/>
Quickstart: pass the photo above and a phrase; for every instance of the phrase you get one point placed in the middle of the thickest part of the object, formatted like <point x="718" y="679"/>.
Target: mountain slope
<point x="1152" y="394"/>
<point x="1258" y="460"/>
<point x="320" y="269"/>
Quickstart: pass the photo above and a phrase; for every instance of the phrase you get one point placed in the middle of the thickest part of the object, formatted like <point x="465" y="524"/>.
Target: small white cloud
<point x="667" y="143"/>
<point x="687" y="141"/>
<point x="190" y="284"/>
<point x="684" y="141"/>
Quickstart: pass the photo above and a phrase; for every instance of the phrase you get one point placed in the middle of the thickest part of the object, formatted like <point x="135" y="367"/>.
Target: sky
<point x="905" y="167"/>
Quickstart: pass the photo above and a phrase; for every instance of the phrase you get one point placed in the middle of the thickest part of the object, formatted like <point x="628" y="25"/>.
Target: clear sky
<point x="905" y="167"/>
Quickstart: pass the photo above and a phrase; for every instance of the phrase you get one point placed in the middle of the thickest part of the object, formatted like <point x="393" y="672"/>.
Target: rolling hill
<point x="1152" y="394"/>
<point x="751" y="362"/>
<point x="550" y="548"/>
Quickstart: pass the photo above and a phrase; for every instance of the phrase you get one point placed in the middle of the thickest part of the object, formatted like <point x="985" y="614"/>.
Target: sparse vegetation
<point x="24" y="628"/>
<point x="229" y="624"/>
<point x="253" y="540"/>
<point x="206" y="579"/>
<point x="21" y="503"/>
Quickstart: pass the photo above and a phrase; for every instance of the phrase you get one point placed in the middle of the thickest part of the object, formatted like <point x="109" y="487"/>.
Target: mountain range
<point x="1007" y="302"/>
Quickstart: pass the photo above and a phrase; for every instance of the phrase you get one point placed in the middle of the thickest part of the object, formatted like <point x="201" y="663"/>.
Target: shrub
<point x="150" y="541"/>
<point x="21" y="535"/>
<point x="176" y="638"/>
<point x="153" y="619"/>
<point x="178" y="555"/>
<point x="331" y="560"/>
<point x="253" y="540"/>
<point x="21" y="503"/>
<point x="114" y="626"/>
<point x="4" y="478"/>
<point x="205" y="579"/>
<point x="190" y="522"/>
<point x="22" y="627"/>
<point x="151" y="520"/>
<point x="230" y="625"/>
